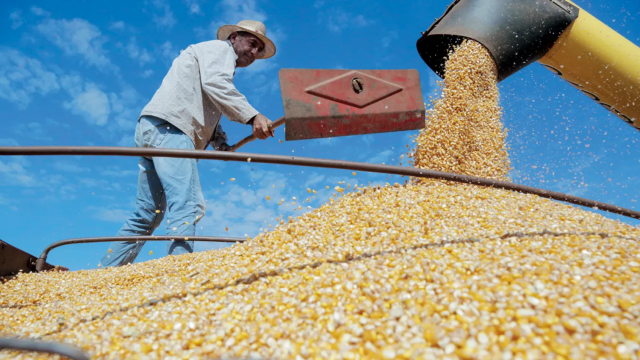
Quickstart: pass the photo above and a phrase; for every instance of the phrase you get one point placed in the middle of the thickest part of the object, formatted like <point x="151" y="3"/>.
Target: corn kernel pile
<point x="427" y="270"/>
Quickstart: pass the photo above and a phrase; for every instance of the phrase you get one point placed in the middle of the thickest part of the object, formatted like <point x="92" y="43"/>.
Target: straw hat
<point x="254" y="27"/>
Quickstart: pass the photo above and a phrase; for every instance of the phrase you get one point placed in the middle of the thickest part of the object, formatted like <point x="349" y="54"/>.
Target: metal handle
<point x="252" y="137"/>
<point x="43" y="257"/>
<point x="43" y="346"/>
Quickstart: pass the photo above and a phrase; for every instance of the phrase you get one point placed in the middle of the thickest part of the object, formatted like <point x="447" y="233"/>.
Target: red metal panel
<point x="14" y="260"/>
<point x="330" y="103"/>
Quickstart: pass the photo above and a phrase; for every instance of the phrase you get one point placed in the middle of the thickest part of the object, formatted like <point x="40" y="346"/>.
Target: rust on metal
<point x="331" y="103"/>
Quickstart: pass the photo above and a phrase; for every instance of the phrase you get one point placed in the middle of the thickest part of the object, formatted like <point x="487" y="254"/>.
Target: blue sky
<point x="79" y="73"/>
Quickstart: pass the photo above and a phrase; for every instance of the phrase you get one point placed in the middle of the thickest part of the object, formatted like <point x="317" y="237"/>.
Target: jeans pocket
<point x="155" y="131"/>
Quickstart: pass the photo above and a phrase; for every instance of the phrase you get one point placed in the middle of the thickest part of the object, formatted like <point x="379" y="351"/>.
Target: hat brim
<point x="269" y="47"/>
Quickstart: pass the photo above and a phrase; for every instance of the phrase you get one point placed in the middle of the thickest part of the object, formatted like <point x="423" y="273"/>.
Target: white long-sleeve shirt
<point x="198" y="89"/>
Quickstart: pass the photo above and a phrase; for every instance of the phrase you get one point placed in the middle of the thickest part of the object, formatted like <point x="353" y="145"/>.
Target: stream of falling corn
<point x="426" y="270"/>
<point x="464" y="133"/>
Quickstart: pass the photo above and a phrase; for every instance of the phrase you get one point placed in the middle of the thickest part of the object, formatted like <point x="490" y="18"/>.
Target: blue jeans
<point x="163" y="183"/>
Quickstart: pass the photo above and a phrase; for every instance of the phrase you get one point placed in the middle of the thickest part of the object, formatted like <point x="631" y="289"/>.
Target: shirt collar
<point x="231" y="46"/>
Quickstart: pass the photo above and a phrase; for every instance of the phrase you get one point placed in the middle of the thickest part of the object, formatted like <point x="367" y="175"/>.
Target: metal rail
<point x="43" y="346"/>
<point x="314" y="162"/>
<point x="43" y="257"/>
<point x="67" y="351"/>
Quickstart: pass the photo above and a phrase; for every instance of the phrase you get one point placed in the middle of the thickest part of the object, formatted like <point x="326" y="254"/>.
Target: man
<point x="185" y="114"/>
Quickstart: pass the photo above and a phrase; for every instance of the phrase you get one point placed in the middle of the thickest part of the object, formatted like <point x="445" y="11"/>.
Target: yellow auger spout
<point x="557" y="33"/>
<point x="601" y="63"/>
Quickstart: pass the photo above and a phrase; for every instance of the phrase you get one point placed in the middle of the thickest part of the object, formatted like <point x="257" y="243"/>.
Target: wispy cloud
<point x="21" y="160"/>
<point x="194" y="6"/>
<point x="78" y="37"/>
<point x="16" y="19"/>
<point x="8" y="142"/>
<point x="246" y="197"/>
<point x="236" y="10"/>
<point x="14" y="173"/>
<point x="327" y="142"/>
<point x="117" y="25"/>
<point x="570" y="187"/>
<point x="167" y="52"/>
<point x="52" y="122"/>
<point x="115" y="171"/>
<point x="164" y="18"/>
<point x="126" y="106"/>
<point x="99" y="184"/>
<point x="135" y="52"/>
<point x="382" y="157"/>
<point x="218" y="166"/>
<point x="337" y="19"/>
<point x="39" y="11"/>
<point x="54" y="187"/>
<point x="389" y="38"/>
<point x="34" y="130"/>
<point x="313" y="179"/>
<point x="145" y="74"/>
<point x="69" y="167"/>
<point x="232" y="12"/>
<point x="22" y="76"/>
<point x="126" y="141"/>
<point x="257" y="67"/>
<point x="367" y="139"/>
<point x="583" y="163"/>
<point x="8" y="203"/>
<point x="98" y="107"/>
<point x="92" y="104"/>
<point x="108" y="214"/>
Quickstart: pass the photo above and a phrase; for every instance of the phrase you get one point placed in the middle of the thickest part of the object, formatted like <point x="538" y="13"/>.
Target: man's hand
<point x="262" y="127"/>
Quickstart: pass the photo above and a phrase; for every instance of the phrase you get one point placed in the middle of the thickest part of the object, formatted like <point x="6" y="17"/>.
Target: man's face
<point x="247" y="47"/>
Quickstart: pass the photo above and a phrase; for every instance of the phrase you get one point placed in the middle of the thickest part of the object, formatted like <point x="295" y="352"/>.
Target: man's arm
<point x="217" y="67"/>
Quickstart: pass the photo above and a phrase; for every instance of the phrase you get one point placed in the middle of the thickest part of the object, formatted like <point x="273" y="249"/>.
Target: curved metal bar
<point x="43" y="257"/>
<point x="314" y="162"/>
<point x="43" y="346"/>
